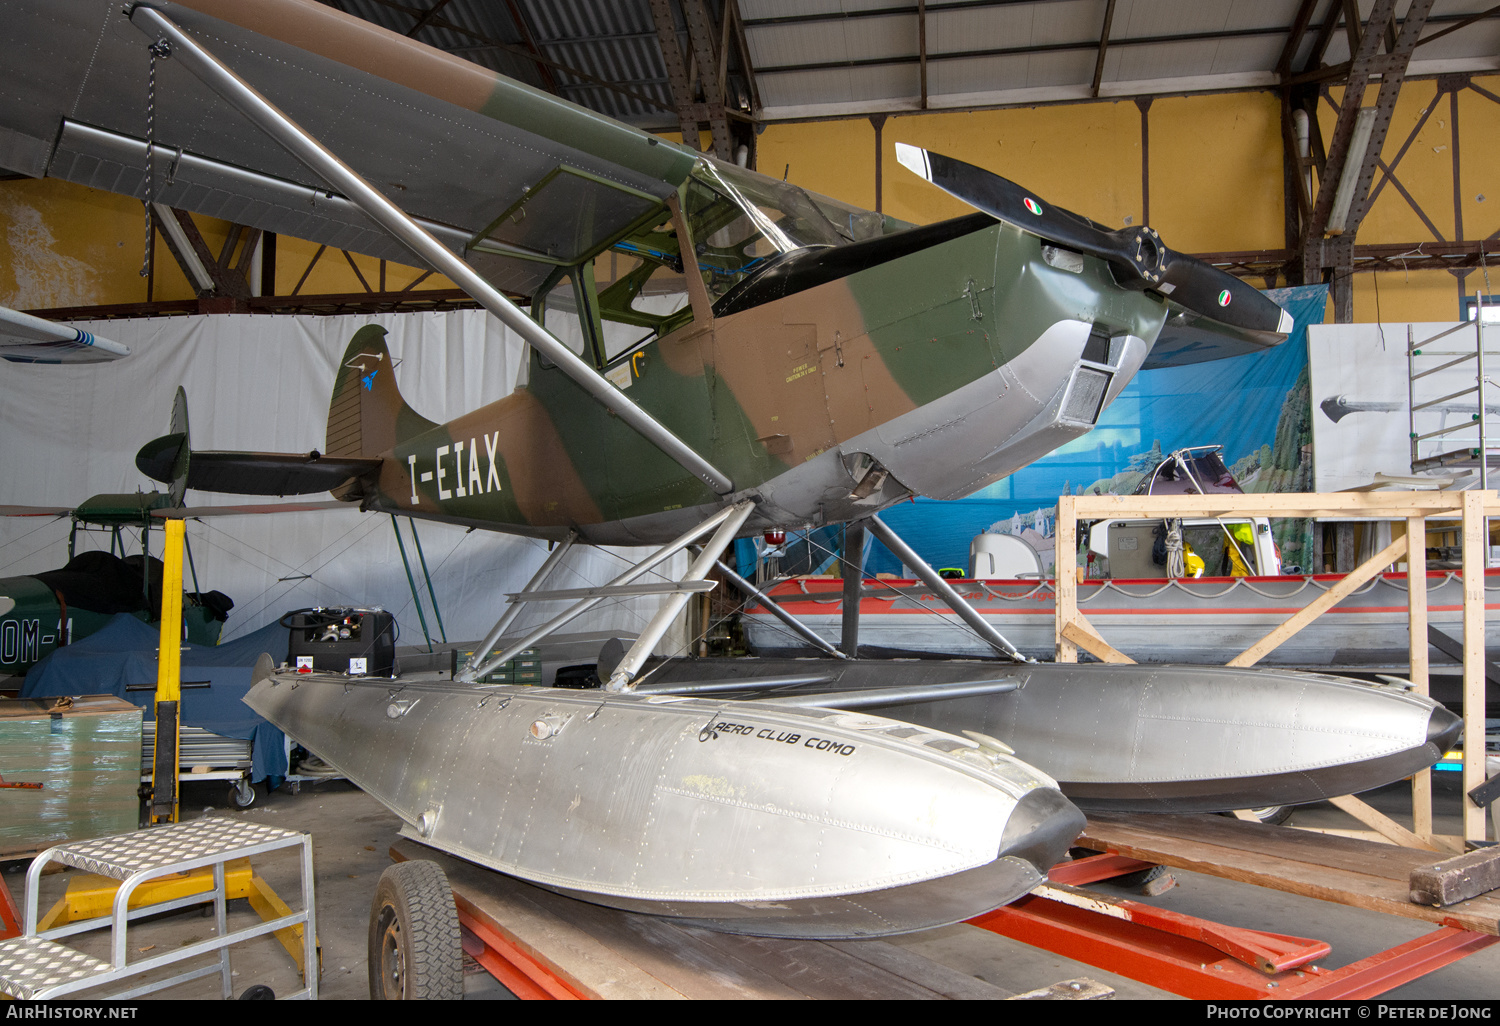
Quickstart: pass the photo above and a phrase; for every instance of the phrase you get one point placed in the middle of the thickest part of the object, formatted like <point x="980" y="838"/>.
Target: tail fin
<point x="178" y="425"/>
<point x="367" y="415"/>
<point x="167" y="458"/>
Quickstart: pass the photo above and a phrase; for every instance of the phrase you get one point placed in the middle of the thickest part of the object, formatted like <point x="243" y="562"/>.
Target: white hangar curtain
<point x="259" y="382"/>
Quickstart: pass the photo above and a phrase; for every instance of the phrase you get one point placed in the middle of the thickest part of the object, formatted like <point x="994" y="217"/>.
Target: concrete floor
<point x="352" y="832"/>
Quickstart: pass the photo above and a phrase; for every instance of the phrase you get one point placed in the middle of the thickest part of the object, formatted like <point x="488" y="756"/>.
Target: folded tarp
<point x="120" y="659"/>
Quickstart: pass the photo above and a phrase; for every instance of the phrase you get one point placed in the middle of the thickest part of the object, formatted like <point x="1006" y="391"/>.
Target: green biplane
<point x="42" y="612"/>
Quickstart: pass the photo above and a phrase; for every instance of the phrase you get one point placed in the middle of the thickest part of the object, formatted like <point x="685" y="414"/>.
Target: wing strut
<point x="725" y="524"/>
<point x="771" y="606"/>
<point x="934" y="580"/>
<point x="393" y="219"/>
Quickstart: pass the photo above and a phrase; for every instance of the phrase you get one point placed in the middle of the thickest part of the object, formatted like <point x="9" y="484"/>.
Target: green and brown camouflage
<point x="761" y="392"/>
<point x="821" y="360"/>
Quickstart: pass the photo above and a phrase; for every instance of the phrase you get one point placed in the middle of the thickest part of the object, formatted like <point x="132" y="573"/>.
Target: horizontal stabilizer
<point x="253" y="473"/>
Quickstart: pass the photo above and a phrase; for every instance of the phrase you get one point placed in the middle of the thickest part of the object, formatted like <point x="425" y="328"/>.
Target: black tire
<point x="1275" y="815"/>
<point x="415" y="952"/>
<point x="1138" y="879"/>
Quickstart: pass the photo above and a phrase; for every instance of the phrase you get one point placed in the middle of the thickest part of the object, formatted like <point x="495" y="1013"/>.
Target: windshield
<point x="740" y="221"/>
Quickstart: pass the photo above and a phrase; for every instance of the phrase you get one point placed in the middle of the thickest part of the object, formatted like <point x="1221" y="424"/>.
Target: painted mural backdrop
<point x="1257" y="407"/>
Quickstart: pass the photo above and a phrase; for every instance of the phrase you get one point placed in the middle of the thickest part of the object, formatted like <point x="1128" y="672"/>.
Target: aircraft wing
<point x="495" y="169"/>
<point x="245" y="509"/>
<point x="28" y="339"/>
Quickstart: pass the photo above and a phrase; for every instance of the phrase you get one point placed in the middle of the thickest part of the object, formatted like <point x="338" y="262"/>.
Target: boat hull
<point x="734" y="815"/>
<point x="1206" y="621"/>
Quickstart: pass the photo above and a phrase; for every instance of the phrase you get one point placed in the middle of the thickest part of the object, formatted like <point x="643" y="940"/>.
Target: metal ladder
<point x="35" y="966"/>
<point x="1476" y="451"/>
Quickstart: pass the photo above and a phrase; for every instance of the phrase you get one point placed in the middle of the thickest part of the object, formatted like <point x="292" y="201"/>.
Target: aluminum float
<point x="739" y="816"/>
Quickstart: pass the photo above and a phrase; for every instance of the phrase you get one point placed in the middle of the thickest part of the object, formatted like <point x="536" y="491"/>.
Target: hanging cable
<point x="162" y="49"/>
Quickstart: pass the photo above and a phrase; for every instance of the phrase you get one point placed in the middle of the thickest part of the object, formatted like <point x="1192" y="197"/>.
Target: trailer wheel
<point x="1275" y="815"/>
<point x="415" y="952"/>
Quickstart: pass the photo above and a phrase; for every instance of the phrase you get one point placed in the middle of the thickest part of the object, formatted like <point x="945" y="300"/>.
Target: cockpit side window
<point x="642" y="290"/>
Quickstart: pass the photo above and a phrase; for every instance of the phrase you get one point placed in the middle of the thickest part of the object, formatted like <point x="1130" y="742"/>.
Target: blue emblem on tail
<point x="369" y="380"/>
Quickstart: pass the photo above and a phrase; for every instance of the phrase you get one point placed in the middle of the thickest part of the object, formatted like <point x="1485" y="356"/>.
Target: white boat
<point x="1206" y="620"/>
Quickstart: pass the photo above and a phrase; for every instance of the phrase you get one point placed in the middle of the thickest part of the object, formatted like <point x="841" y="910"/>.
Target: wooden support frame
<point x="1472" y="508"/>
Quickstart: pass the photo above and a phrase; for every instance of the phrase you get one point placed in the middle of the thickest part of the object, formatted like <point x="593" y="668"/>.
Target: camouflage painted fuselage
<point x="947" y="368"/>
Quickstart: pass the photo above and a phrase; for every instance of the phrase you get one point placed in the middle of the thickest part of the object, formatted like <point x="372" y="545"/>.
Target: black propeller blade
<point x="1136" y="256"/>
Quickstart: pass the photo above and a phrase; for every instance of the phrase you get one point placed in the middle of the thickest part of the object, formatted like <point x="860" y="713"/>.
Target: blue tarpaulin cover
<point x="122" y="656"/>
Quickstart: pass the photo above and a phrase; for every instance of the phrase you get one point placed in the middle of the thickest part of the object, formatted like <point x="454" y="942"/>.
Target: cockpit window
<point x="740" y="221"/>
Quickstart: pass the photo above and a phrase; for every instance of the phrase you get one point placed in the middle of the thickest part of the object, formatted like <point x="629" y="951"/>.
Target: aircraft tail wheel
<point x="242" y="793"/>
<point x="415" y="951"/>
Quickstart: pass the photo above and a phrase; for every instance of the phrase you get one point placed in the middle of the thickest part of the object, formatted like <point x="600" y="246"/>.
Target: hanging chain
<point x="161" y="48"/>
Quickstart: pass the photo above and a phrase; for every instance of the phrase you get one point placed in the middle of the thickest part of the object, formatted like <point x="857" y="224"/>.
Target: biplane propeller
<point x="714" y="352"/>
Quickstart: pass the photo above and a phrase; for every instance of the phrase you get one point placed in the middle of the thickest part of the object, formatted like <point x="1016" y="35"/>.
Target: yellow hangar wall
<point x="1213" y="183"/>
<point x="1214" y="174"/>
<point x="66" y="245"/>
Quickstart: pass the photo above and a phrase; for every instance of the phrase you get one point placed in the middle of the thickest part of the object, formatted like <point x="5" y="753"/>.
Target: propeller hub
<point x="1147" y="255"/>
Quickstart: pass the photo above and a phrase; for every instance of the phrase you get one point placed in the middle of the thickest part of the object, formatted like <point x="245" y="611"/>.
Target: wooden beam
<point x="1382" y="824"/>
<point x="1333" y="505"/>
<point x="1417" y="672"/>
<point x="1324" y="602"/>
<point x="1082" y="633"/>
<point x="1065" y="548"/>
<point x="1475" y="542"/>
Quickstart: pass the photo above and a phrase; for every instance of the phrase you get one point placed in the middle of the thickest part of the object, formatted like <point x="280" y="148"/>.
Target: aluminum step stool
<point x="34" y="966"/>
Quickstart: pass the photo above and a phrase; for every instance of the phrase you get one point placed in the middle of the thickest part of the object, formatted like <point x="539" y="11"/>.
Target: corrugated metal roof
<point x="820" y="58"/>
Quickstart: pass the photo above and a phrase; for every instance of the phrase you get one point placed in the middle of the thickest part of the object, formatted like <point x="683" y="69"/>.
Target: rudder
<point x="367" y="415"/>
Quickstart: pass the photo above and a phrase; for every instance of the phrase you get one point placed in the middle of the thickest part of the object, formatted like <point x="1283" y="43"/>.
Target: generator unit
<point x="359" y="642"/>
